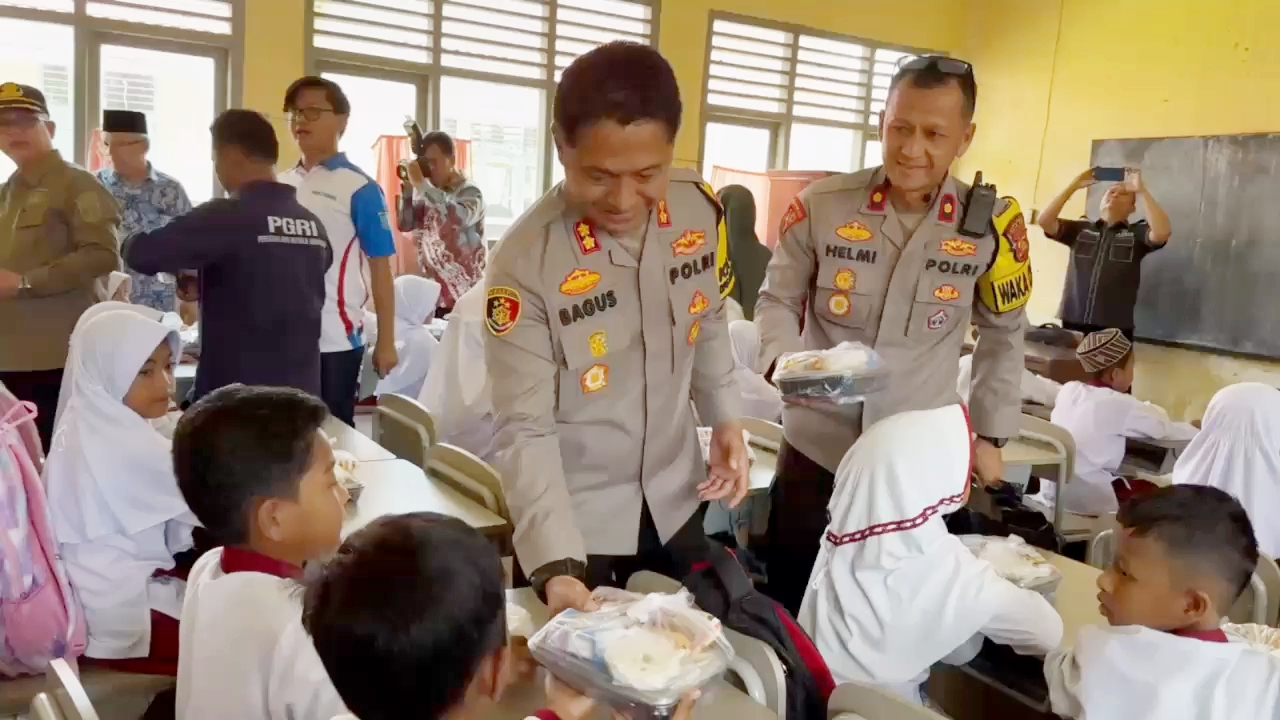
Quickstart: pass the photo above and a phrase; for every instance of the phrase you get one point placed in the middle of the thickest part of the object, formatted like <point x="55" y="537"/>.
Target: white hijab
<point x="109" y="472"/>
<point x="1238" y="451"/>
<point x="892" y="591"/>
<point x="94" y="311"/>
<point x="759" y="398"/>
<point x="108" y="285"/>
<point x="456" y="390"/>
<point x="416" y="299"/>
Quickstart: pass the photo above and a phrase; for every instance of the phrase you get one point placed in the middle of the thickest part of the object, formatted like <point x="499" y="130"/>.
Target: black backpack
<point x="721" y="587"/>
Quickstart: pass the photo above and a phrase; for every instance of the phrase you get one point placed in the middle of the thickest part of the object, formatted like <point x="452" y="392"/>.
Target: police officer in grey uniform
<point x="1105" y="269"/>
<point x="607" y="331"/>
<point x="890" y="257"/>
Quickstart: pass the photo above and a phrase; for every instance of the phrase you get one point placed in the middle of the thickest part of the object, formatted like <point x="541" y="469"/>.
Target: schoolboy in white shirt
<point x="258" y="473"/>
<point x="1185" y="554"/>
<point x="1100" y="415"/>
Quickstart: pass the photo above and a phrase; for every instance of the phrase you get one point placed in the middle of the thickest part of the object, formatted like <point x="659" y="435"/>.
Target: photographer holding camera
<point x="445" y="213"/>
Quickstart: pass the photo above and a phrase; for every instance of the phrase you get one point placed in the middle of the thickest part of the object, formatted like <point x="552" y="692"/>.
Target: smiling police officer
<point x="900" y="258"/>
<point x="606" y="318"/>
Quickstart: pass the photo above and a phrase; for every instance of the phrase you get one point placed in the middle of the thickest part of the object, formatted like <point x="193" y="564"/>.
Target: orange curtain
<point x="772" y="191"/>
<point x="390" y="150"/>
<point x="97" y="153"/>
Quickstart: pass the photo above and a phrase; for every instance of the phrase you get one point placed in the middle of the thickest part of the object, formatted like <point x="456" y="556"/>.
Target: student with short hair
<point x="1100" y="414"/>
<point x="893" y="593"/>
<point x="1184" y="555"/>
<point x="261" y="259"/>
<point x="259" y="474"/>
<point x="116" y="509"/>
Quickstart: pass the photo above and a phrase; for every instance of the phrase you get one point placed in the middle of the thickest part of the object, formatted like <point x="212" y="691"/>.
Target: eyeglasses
<point x="945" y="65"/>
<point x="310" y="114"/>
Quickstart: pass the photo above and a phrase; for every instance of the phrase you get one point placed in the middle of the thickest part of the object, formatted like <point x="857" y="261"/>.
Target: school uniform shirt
<point x="416" y="299"/>
<point x="456" y="389"/>
<point x="1035" y="388"/>
<point x="1100" y="419"/>
<point x="1238" y="450"/>
<point x="243" y="652"/>
<point x="262" y="258"/>
<point x="115" y="504"/>
<point x="1136" y="673"/>
<point x="892" y="591"/>
<point x="354" y="214"/>
<point x="760" y="399"/>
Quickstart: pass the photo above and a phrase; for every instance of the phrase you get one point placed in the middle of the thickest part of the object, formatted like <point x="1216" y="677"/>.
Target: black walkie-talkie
<point x="978" y="208"/>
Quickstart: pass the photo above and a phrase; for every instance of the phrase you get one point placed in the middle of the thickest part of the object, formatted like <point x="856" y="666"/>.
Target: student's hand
<point x="728" y="465"/>
<point x="9" y="282"/>
<point x="564" y="592"/>
<point x="565" y="702"/>
<point x="385" y="357"/>
<point x="987" y="462"/>
<point x="1083" y="180"/>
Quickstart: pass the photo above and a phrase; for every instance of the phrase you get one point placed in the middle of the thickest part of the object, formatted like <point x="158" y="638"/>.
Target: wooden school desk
<point x="970" y="693"/>
<point x="395" y="487"/>
<point x="350" y="440"/>
<point x="719" y="701"/>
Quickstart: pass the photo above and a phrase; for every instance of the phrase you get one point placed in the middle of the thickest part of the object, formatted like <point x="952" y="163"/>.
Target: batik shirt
<point x="143" y="208"/>
<point x="449" y="237"/>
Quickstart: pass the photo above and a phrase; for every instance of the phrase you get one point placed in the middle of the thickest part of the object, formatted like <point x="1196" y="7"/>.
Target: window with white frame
<point x="170" y="59"/>
<point x="802" y="99"/>
<point x="483" y="71"/>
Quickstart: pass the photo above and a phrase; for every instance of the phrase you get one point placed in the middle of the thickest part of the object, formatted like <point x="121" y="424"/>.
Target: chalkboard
<point x="1216" y="285"/>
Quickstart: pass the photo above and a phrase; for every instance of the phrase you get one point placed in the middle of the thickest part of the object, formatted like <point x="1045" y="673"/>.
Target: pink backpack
<point x="40" y="617"/>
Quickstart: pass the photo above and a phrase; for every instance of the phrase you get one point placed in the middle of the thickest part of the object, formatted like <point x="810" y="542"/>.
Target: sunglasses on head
<point x="945" y="65"/>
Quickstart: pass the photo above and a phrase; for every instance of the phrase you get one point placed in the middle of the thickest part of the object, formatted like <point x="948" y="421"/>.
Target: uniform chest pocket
<point x="588" y="343"/>
<point x="31" y="217"/>
<point x="43" y="233"/>
<point x="1086" y="245"/>
<point x="1122" y="247"/>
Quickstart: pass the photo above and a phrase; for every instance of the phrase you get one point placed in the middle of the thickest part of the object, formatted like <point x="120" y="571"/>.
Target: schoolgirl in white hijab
<point x="416" y="299"/>
<point x="116" y="508"/>
<point x="1238" y="451"/>
<point x="760" y="399"/>
<point x="893" y="592"/>
<point x="456" y="390"/>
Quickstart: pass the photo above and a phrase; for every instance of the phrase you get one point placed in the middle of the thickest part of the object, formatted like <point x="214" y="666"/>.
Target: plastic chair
<point x="1072" y="526"/>
<point x="1260" y="602"/>
<point x="42" y="708"/>
<point x="855" y="700"/>
<point x="67" y="694"/>
<point x="1269" y="573"/>
<point x="1102" y="549"/>
<point x="757" y="666"/>
<point x="765" y="434"/>
<point x="469" y="475"/>
<point x="403" y="426"/>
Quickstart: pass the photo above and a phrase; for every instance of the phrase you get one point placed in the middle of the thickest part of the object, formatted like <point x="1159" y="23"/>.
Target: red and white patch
<point x="938" y="320"/>
<point x="947" y="209"/>
<point x="792" y="217"/>
<point x="502" y="309"/>
<point x="1016" y="234"/>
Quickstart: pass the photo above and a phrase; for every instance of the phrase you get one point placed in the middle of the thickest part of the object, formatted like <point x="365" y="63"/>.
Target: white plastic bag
<point x="1016" y="561"/>
<point x="844" y="375"/>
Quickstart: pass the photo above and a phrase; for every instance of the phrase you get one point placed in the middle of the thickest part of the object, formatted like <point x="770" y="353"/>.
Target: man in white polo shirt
<point x="354" y="213"/>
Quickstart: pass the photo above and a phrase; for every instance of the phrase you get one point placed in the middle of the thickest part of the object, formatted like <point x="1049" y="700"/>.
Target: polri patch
<point x="792" y="217"/>
<point x="502" y="309"/>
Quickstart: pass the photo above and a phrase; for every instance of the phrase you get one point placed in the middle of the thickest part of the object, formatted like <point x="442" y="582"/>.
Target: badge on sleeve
<point x="502" y="309"/>
<point x="937" y="320"/>
<point x="586" y="237"/>
<point x="386" y="222"/>
<point x="89" y="207"/>
<point x="595" y="378"/>
<point x="1016" y="234"/>
<point x="689" y="243"/>
<point x="694" y="330"/>
<point x="579" y="282"/>
<point x="1006" y="285"/>
<point x="664" y="217"/>
<point x="792" y="217"/>
<point x="599" y="343"/>
<point x="947" y="209"/>
<point x="699" y="303"/>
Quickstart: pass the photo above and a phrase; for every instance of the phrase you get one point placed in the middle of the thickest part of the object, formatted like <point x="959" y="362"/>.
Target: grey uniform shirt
<point x="844" y="263"/>
<point x="594" y="358"/>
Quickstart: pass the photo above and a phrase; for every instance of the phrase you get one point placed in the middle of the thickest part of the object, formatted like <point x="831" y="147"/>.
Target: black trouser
<point x="42" y="388"/>
<point x="675" y="559"/>
<point x="1087" y="328"/>
<point x="340" y="381"/>
<point x="801" y="490"/>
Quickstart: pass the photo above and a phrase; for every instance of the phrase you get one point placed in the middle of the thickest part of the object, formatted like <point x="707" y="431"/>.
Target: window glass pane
<point x="378" y="107"/>
<point x="211" y="16"/>
<point x="873" y="154"/>
<point x="56" y="5"/>
<point x="505" y="128"/>
<point x="178" y="93"/>
<point x="42" y="55"/>
<point x="821" y="147"/>
<point x="737" y="147"/>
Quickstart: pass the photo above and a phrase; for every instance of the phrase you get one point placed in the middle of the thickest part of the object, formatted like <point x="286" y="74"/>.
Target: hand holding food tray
<point x="637" y="653"/>
<point x="842" y="376"/>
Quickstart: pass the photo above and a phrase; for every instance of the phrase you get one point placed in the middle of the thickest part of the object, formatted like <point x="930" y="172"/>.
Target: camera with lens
<point x="417" y="146"/>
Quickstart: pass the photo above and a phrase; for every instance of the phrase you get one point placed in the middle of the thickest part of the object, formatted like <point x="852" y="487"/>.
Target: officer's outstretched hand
<point x="565" y="592"/>
<point x="988" y="462"/>
<point x="727" y="465"/>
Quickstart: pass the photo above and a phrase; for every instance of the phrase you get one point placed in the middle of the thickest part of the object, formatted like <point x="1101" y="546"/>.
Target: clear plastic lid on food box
<point x="843" y="375"/>
<point x="1016" y="561"/>
<point x="636" y="653"/>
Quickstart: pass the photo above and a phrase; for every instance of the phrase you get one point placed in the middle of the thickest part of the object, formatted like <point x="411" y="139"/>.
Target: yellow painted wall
<point x="274" y="56"/>
<point x="1057" y="74"/>
<point x="682" y="37"/>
